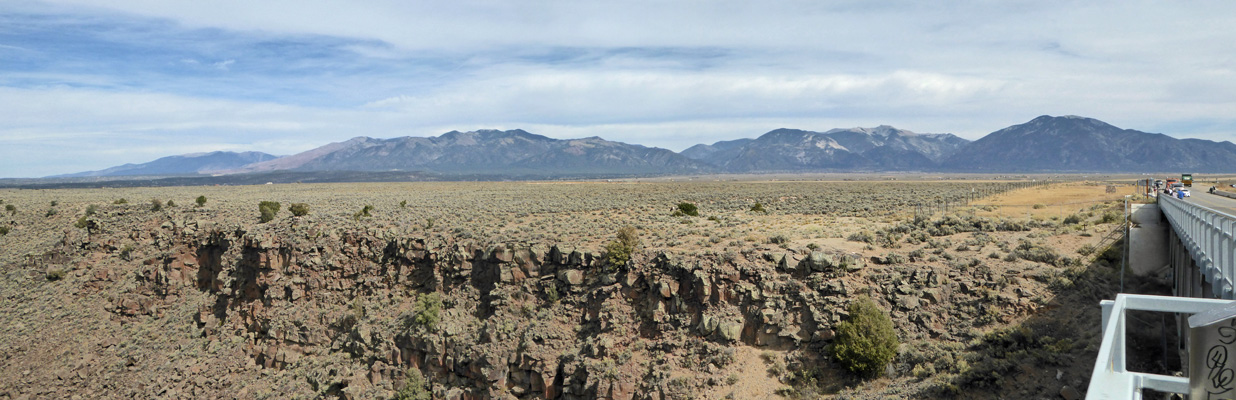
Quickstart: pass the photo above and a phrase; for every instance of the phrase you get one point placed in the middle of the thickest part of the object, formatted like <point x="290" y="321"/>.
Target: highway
<point x="1216" y="202"/>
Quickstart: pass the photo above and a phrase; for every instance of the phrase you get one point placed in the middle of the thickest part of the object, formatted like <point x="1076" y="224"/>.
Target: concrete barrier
<point x="1225" y="194"/>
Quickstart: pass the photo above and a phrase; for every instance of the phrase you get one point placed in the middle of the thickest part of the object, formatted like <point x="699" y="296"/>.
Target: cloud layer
<point x="92" y="84"/>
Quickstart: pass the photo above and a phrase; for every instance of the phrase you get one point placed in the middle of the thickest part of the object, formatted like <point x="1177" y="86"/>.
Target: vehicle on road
<point x="1187" y="179"/>
<point x="1185" y="193"/>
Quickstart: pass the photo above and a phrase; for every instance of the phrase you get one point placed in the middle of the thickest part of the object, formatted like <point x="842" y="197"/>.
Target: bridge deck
<point x="1219" y="203"/>
<point x="1204" y="257"/>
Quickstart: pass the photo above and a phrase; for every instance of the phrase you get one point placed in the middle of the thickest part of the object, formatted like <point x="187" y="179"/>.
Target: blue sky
<point x="91" y="84"/>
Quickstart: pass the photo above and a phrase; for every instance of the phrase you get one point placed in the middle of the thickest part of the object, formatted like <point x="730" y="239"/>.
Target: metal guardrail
<point x="1208" y="234"/>
<point x="1110" y="378"/>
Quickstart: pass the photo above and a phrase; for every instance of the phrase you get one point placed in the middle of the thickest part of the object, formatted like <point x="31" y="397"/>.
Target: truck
<point x="1187" y="179"/>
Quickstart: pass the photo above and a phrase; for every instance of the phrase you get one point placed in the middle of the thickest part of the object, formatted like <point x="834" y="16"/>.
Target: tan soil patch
<point x="754" y="382"/>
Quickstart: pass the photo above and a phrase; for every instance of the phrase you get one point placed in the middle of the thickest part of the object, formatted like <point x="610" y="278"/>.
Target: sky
<point x="90" y="84"/>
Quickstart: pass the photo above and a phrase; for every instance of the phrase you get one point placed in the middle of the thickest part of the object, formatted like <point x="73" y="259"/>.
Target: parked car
<point x="1186" y="193"/>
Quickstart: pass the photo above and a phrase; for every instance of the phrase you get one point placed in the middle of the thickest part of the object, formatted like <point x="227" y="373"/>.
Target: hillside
<point x="1079" y="144"/>
<point x="500" y="153"/>
<point x="882" y="148"/>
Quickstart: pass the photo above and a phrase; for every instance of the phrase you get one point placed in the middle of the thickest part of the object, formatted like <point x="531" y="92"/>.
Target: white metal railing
<point x="1110" y="379"/>
<point x="1207" y="233"/>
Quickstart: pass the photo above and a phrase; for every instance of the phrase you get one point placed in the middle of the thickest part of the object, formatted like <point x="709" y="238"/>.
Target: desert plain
<point x="523" y="290"/>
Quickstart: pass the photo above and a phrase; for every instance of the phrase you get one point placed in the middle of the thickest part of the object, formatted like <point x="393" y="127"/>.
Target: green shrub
<point x="4" y="230"/>
<point x="1032" y="252"/>
<point x="201" y="201"/>
<point x="299" y="209"/>
<point x="866" y="342"/>
<point x="863" y="236"/>
<point x="1072" y="219"/>
<point x="685" y="208"/>
<point x="758" y="208"/>
<point x="55" y="274"/>
<point x="551" y="292"/>
<point x="12" y="209"/>
<point x="126" y="252"/>
<point x="1039" y="206"/>
<point x="403" y="203"/>
<point x="414" y="387"/>
<point x="268" y="210"/>
<point x="1110" y="217"/>
<point x="1086" y="249"/>
<point x="428" y="311"/>
<point x="156" y="205"/>
<point x="55" y="203"/>
<point x="51" y="212"/>
<point x="618" y="252"/>
<point x="778" y="239"/>
<point x="171" y="203"/>
<point x="81" y="223"/>
<point x="363" y="213"/>
<point x="121" y="200"/>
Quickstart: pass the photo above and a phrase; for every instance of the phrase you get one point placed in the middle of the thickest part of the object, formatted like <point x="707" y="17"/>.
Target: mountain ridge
<point x="184" y="164"/>
<point x="1079" y="144"/>
<point x="882" y="148"/>
<point x="487" y="151"/>
<point x="1067" y="143"/>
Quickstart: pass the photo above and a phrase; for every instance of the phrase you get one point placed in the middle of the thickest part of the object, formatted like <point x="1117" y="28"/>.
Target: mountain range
<point x="1044" y="144"/>
<point x="186" y="164"/>
<point x="882" y="148"/>
<point x="511" y="153"/>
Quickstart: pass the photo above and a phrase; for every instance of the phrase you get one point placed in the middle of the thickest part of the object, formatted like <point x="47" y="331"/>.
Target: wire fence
<point x="944" y="207"/>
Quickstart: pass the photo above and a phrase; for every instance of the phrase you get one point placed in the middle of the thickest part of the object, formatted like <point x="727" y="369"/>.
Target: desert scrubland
<point x="528" y="290"/>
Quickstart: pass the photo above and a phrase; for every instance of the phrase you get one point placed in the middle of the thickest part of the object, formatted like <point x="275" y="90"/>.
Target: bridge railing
<point x="1110" y="378"/>
<point x="1208" y="234"/>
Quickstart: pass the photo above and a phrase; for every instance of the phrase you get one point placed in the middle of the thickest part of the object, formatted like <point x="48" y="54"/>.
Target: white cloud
<point x="666" y="74"/>
<point x="585" y="97"/>
<point x="223" y="65"/>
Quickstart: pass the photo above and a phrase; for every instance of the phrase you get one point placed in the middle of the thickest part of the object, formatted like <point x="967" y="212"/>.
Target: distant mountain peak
<point x="880" y="131"/>
<point x="883" y="147"/>
<point x="1073" y="143"/>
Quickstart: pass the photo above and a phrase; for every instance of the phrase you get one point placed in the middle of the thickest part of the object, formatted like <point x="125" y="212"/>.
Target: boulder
<point x="665" y="290"/>
<point x="572" y="277"/>
<point x="501" y="254"/>
<point x="730" y="330"/>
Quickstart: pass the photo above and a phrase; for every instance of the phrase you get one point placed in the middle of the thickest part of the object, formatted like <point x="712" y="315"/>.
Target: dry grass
<point x="1052" y="201"/>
